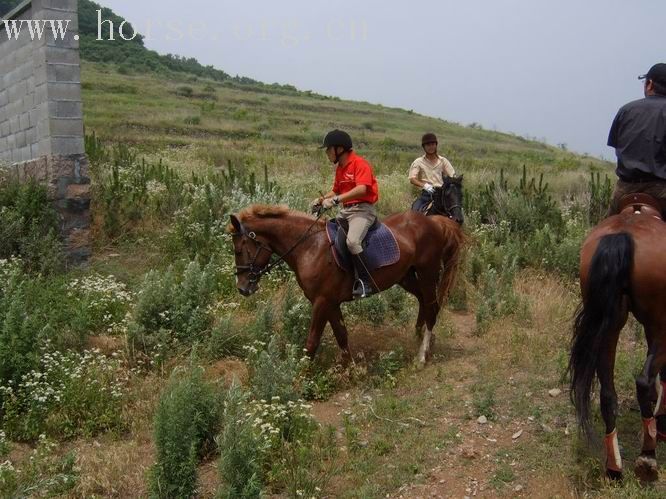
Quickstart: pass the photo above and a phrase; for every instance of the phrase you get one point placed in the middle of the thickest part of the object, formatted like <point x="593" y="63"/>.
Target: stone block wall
<point x="41" y="115"/>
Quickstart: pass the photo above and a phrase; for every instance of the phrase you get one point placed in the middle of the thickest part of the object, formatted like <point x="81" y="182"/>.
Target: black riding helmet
<point x="337" y="138"/>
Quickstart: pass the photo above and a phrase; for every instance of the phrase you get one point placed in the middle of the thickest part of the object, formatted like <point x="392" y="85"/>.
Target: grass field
<point x="158" y="300"/>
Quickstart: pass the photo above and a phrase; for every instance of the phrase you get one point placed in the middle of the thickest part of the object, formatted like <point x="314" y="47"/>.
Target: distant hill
<point x="133" y="56"/>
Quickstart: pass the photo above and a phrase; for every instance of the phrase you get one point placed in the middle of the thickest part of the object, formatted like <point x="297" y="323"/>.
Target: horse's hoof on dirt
<point x="646" y="469"/>
<point x="615" y="476"/>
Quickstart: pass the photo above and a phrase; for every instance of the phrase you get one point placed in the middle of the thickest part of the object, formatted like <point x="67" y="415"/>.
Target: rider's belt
<point x="353" y="203"/>
<point x="638" y="177"/>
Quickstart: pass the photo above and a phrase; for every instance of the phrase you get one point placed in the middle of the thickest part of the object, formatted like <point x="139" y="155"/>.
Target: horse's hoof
<point x="419" y="363"/>
<point x="614" y="475"/>
<point x="646" y="469"/>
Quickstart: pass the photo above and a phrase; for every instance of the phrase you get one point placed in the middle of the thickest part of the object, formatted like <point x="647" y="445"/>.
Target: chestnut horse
<point x="622" y="270"/>
<point x="430" y="249"/>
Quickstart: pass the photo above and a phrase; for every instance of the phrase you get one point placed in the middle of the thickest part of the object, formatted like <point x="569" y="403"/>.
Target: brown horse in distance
<point x="430" y="248"/>
<point x="622" y="270"/>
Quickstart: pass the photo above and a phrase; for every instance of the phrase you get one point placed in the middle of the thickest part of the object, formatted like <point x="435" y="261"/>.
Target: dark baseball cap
<point x="657" y="73"/>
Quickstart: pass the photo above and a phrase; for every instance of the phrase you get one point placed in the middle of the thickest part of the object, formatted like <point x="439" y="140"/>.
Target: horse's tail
<point x="454" y="242"/>
<point x="598" y="315"/>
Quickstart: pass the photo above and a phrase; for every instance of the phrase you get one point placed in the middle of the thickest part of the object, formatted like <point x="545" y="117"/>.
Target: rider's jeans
<point x="422" y="201"/>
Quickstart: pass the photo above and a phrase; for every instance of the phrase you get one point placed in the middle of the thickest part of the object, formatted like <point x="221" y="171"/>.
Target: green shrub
<point x="373" y="309"/>
<point x="269" y="436"/>
<point x="226" y="339"/>
<point x="4" y="444"/>
<point x="28" y="317"/>
<point x="303" y="466"/>
<point x="20" y="333"/>
<point x="320" y="384"/>
<point x="384" y="369"/>
<point x="296" y="313"/>
<point x="186" y="421"/>
<point x="524" y="207"/>
<point x="104" y="300"/>
<point x="69" y="394"/>
<point x="172" y="308"/>
<point x="601" y="192"/>
<point x="497" y="295"/>
<point x="484" y="403"/>
<point x="261" y="328"/>
<point x="44" y="475"/>
<point x="276" y="371"/>
<point x="241" y="462"/>
<point x="29" y="227"/>
<point x="185" y="91"/>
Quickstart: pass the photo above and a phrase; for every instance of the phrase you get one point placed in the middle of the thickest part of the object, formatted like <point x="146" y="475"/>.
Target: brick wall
<point x="41" y="115"/>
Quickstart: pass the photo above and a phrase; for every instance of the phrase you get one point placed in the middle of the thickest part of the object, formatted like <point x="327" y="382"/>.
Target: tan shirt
<point x="425" y="171"/>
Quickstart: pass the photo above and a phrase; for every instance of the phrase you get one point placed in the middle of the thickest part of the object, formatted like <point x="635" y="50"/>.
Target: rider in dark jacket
<point x="638" y="134"/>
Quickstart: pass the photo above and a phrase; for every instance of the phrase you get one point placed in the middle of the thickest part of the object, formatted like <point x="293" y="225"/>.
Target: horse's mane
<point x="455" y="243"/>
<point x="263" y="211"/>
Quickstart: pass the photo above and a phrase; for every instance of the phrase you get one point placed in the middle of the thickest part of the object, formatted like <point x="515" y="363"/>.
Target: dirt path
<point x="468" y="466"/>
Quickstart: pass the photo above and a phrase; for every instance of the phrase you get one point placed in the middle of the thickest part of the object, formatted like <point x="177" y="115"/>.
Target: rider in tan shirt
<point x="426" y="171"/>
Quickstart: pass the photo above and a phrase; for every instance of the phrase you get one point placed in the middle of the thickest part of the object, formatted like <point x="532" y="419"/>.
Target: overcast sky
<point x="553" y="69"/>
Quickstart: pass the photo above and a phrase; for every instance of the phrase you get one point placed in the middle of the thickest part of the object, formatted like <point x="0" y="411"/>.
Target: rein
<point x="256" y="273"/>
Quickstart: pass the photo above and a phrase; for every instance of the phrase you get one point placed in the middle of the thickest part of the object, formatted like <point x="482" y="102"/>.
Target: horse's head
<point x="448" y="199"/>
<point x="252" y="255"/>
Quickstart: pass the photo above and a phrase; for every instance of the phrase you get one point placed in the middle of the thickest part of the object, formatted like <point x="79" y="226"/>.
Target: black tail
<point x="601" y="311"/>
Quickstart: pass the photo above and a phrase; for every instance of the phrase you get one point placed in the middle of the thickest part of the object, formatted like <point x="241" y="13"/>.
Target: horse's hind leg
<point x="430" y="308"/>
<point x="646" y="464"/>
<point x="608" y="401"/>
<point x="660" y="413"/>
<point x="430" y="312"/>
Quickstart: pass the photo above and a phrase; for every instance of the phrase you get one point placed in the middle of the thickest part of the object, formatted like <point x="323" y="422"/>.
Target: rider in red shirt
<point x="355" y="187"/>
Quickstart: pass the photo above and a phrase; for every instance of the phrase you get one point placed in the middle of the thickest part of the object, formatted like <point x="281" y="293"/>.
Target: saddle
<point x="641" y="204"/>
<point x="379" y="246"/>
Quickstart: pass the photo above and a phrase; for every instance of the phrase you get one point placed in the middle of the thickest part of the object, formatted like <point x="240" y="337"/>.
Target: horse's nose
<point x="244" y="291"/>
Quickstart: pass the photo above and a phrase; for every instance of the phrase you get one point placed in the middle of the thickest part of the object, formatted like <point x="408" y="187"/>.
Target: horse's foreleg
<point x="424" y="351"/>
<point x="320" y="314"/>
<point x="340" y="332"/>
<point x="420" y="322"/>
<point x="410" y="284"/>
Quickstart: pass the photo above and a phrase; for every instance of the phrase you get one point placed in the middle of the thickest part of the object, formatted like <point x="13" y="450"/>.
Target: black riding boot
<point x="363" y="285"/>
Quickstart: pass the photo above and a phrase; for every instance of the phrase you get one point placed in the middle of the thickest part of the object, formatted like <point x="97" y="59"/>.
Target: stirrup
<point x="362" y="289"/>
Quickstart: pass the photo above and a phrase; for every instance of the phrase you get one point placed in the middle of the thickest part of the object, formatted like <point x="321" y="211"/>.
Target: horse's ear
<point x="236" y="223"/>
<point x="461" y="177"/>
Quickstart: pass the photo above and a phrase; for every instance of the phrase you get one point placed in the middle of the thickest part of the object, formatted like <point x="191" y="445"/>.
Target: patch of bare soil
<point x="226" y="370"/>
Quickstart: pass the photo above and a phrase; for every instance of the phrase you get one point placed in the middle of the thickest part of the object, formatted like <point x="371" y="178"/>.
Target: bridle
<point x="252" y="269"/>
<point x="448" y="210"/>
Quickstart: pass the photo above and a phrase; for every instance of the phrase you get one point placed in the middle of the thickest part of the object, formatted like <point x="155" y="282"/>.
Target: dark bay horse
<point x="622" y="270"/>
<point x="430" y="249"/>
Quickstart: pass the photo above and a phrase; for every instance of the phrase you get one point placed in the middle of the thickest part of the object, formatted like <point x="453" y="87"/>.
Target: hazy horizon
<point x="552" y="71"/>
